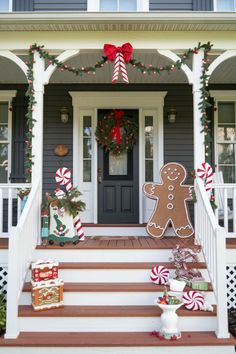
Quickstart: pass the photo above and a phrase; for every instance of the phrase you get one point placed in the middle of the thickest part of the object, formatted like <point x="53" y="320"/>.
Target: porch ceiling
<point x="88" y="21"/>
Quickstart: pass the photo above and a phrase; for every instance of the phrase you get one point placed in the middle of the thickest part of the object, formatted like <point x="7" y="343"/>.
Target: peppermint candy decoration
<point x="193" y="300"/>
<point x="206" y="171"/>
<point x="159" y="275"/>
<point x="63" y="177"/>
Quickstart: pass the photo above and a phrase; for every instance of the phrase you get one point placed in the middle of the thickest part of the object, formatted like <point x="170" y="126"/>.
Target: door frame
<point x="89" y="103"/>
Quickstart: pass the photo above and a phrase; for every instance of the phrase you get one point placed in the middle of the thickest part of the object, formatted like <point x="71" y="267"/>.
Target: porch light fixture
<point x="64" y="112"/>
<point x="171" y="114"/>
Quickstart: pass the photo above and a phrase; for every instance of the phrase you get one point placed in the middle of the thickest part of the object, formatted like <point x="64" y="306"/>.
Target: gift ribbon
<point x="121" y="55"/>
<point x="115" y="132"/>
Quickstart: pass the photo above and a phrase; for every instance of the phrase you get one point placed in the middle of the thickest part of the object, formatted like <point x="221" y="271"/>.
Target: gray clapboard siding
<point x="60" y="5"/>
<point x="22" y="5"/>
<point x="181" y="5"/>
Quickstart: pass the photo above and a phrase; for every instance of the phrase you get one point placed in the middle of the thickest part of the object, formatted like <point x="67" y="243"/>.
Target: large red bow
<point x="111" y="51"/>
<point x="115" y="132"/>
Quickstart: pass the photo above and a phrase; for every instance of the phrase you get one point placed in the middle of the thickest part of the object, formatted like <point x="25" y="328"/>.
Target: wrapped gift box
<point x="43" y="270"/>
<point x="47" y="294"/>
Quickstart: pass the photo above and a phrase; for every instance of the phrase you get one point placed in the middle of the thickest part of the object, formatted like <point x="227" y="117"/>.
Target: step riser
<point x="111" y="324"/>
<point x="105" y="255"/>
<point x="109" y="298"/>
<point x="120" y="350"/>
<point x="110" y="275"/>
<point x="121" y="231"/>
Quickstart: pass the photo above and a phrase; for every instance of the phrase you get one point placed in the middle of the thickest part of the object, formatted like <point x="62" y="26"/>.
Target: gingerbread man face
<point x="173" y="173"/>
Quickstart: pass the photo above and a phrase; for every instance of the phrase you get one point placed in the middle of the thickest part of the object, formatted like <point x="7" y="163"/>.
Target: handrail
<point x="212" y="239"/>
<point x="22" y="243"/>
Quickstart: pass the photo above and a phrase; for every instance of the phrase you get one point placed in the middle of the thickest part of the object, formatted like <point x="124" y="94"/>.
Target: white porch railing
<point x="225" y="194"/>
<point x="10" y="206"/>
<point x="212" y="238"/>
<point x="22" y="242"/>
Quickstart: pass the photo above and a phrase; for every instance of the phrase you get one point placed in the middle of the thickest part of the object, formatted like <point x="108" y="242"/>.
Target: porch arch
<point x="220" y="59"/>
<point x="11" y="56"/>
<point x="66" y="55"/>
<point x="174" y="57"/>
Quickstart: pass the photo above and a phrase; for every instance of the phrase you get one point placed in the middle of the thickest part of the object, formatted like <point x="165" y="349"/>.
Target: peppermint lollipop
<point x="193" y="300"/>
<point x="63" y="177"/>
<point x="159" y="275"/>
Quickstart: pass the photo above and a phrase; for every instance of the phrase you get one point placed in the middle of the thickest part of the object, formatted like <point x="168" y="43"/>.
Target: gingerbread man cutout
<point x="171" y="207"/>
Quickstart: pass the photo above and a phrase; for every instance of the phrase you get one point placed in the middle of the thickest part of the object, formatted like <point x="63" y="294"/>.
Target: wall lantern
<point x="171" y="114"/>
<point x="64" y="112"/>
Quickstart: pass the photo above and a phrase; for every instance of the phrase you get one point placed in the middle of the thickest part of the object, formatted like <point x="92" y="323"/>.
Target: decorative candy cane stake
<point x="206" y="172"/>
<point x="63" y="177"/>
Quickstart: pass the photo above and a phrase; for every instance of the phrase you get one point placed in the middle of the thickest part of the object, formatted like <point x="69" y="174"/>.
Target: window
<point x="148" y="148"/>
<point x="4" y="5"/>
<point x="226" y="141"/>
<point x="118" y="5"/>
<point x="4" y="142"/>
<point x="87" y="148"/>
<point x="225" y="5"/>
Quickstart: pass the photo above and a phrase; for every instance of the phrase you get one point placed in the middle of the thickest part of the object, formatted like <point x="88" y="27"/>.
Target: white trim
<point x="10" y="5"/>
<point x="226" y="95"/>
<point x="7" y="96"/>
<point x="93" y="5"/>
<point x="88" y="101"/>
<point x="174" y="57"/>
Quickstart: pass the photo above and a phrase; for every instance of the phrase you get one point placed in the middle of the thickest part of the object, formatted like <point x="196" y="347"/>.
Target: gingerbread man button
<point x="171" y="207"/>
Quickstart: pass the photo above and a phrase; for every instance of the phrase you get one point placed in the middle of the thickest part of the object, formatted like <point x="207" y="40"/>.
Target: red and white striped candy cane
<point x="120" y="65"/>
<point x="63" y="177"/>
<point x="206" y="171"/>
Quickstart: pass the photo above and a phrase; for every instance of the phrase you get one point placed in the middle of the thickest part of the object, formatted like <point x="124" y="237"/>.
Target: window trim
<point x="221" y="96"/>
<point x="7" y="96"/>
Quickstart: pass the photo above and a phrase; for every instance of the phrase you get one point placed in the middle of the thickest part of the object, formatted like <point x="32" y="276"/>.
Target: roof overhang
<point x="99" y="21"/>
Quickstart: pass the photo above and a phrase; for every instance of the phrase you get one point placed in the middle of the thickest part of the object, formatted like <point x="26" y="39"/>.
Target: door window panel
<point x="148" y="148"/>
<point x="87" y="148"/>
<point x="4" y="142"/>
<point x="118" y="164"/>
<point x="226" y="142"/>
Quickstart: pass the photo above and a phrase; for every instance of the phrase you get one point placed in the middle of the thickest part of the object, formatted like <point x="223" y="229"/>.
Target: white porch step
<point x="115" y="343"/>
<point x="109" y="294"/>
<point x="115" y="272"/>
<point x="110" y="319"/>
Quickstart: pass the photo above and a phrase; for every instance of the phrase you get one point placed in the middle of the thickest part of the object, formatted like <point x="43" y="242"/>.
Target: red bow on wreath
<point x="120" y="55"/>
<point x="115" y="132"/>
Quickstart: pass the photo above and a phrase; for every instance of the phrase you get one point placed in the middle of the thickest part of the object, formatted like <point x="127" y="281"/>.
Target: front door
<point x="118" y="181"/>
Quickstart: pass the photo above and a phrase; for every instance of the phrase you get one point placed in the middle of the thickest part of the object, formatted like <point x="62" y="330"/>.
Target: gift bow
<point x="121" y="55"/>
<point x="115" y="132"/>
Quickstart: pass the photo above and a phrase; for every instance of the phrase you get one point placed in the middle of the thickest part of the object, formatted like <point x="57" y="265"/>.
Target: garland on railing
<point x="144" y="69"/>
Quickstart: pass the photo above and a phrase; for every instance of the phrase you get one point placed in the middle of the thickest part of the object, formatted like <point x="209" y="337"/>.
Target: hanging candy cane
<point x="63" y="177"/>
<point x="159" y="275"/>
<point x="206" y="171"/>
<point x="122" y="56"/>
<point x="193" y="300"/>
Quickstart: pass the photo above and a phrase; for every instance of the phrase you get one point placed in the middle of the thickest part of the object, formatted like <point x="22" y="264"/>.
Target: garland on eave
<point x="144" y="69"/>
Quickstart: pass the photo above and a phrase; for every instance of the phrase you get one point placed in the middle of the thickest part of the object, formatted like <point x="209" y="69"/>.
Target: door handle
<point x="99" y="175"/>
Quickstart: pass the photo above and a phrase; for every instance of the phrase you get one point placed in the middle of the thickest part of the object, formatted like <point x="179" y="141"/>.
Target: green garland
<point x="69" y="202"/>
<point x="79" y="71"/>
<point x="128" y="138"/>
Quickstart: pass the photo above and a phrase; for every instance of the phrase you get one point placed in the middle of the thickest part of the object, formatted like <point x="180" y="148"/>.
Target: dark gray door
<point x="118" y="178"/>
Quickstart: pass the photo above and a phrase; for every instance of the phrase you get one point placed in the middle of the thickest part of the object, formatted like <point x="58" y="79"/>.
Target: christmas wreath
<point x="116" y="132"/>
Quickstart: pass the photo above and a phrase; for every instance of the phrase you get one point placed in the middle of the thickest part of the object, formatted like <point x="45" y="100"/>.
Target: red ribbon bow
<point x="111" y="50"/>
<point x="115" y="132"/>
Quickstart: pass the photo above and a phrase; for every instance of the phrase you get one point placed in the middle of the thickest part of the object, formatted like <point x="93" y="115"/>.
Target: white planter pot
<point x="169" y="321"/>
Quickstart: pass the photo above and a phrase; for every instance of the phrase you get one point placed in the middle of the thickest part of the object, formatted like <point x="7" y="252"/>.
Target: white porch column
<point x="198" y="137"/>
<point x="37" y="140"/>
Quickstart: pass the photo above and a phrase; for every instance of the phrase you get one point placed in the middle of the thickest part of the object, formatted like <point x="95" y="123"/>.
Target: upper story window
<point x="5" y="5"/>
<point x="225" y="5"/>
<point x="118" y="5"/>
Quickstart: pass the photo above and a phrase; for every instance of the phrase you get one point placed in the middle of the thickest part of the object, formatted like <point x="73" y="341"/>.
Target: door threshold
<point x="113" y="225"/>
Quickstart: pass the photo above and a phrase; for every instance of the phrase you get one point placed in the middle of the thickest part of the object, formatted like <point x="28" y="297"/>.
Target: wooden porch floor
<point x="128" y="242"/>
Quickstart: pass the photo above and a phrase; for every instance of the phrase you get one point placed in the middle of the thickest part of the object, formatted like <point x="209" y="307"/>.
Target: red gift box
<point x="44" y="270"/>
